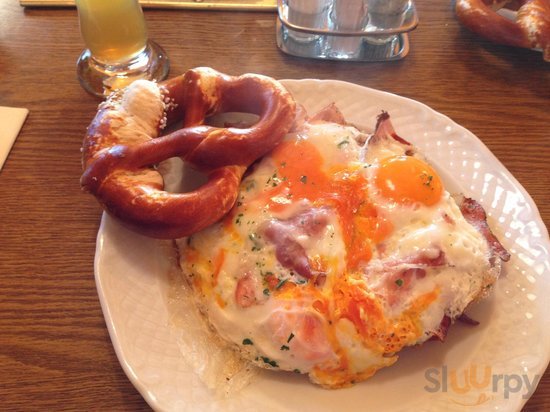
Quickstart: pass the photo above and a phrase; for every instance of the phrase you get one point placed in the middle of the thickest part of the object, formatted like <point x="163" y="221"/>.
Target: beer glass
<point x="118" y="50"/>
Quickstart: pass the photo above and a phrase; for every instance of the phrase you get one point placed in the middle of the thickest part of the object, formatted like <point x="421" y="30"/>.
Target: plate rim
<point x="106" y="220"/>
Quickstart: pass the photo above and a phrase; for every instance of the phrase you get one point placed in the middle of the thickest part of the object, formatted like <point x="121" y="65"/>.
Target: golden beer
<point x="113" y="30"/>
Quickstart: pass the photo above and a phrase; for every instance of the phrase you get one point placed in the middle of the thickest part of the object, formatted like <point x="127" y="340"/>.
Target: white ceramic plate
<point x="492" y="366"/>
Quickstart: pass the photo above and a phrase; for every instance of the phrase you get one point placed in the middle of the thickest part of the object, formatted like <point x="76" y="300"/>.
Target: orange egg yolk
<point x="407" y="180"/>
<point x="302" y="175"/>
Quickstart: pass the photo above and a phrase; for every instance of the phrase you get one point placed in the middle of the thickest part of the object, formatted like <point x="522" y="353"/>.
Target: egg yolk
<point x="407" y="180"/>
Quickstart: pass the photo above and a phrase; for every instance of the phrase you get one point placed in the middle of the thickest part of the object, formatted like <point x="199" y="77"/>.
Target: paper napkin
<point x="11" y="121"/>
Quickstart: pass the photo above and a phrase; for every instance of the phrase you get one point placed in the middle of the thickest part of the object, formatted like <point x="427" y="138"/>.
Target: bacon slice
<point x="399" y="275"/>
<point x="330" y="114"/>
<point x="421" y="259"/>
<point x="475" y="215"/>
<point x="283" y="234"/>
<point x="245" y="295"/>
<point x="288" y="251"/>
<point x="468" y="320"/>
<point x="300" y="119"/>
<point x="441" y="332"/>
<point x="400" y="282"/>
<point x="384" y="130"/>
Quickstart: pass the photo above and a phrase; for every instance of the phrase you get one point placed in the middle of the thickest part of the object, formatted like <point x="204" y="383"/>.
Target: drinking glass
<point x="386" y="14"/>
<point x="347" y="15"/>
<point x="309" y="14"/>
<point x="118" y="50"/>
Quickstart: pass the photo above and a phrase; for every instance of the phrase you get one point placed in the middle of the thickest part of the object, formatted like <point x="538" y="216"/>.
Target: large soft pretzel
<point x="531" y="29"/>
<point x="122" y="147"/>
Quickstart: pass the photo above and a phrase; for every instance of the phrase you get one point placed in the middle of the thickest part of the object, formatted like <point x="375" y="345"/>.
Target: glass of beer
<point x="118" y="50"/>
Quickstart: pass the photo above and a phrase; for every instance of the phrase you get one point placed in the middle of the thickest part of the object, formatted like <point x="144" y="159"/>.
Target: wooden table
<point x="55" y="352"/>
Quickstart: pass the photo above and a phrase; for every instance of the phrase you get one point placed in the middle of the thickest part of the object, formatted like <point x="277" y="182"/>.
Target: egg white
<point x="264" y="330"/>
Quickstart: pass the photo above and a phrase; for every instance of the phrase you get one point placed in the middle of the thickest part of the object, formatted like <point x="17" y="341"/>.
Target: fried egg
<point x="342" y="249"/>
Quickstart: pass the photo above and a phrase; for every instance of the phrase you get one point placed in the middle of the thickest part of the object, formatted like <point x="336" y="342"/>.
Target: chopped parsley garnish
<point x="274" y="180"/>
<point x="280" y="284"/>
<point x="250" y="185"/>
<point x="260" y="264"/>
<point x="399" y="282"/>
<point x="303" y="179"/>
<point x="342" y="143"/>
<point x="255" y="242"/>
<point x="238" y="220"/>
<point x="284" y="347"/>
<point x="270" y="362"/>
<point x="247" y="342"/>
<point x="266" y="291"/>
<point x="426" y="179"/>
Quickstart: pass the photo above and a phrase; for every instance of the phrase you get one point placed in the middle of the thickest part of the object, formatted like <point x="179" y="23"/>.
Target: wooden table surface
<point x="55" y="351"/>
